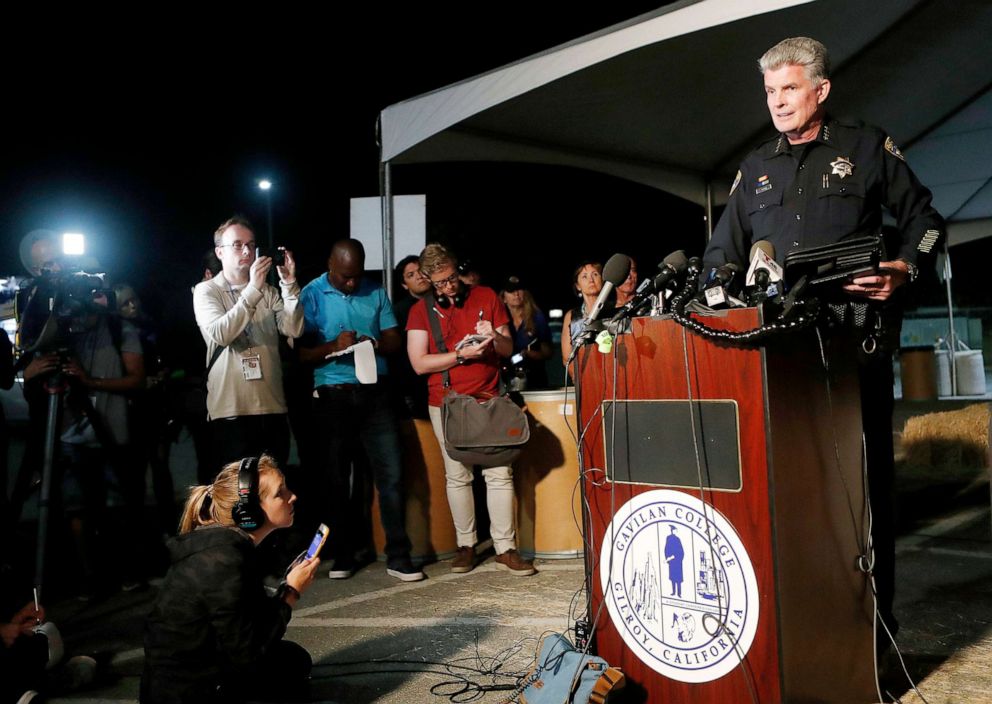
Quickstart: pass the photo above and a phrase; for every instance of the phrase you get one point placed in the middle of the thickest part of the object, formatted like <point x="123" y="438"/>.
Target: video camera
<point x="56" y="306"/>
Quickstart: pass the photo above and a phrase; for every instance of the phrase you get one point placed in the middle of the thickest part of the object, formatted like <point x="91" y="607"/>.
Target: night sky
<point x="148" y="135"/>
<point x="147" y="138"/>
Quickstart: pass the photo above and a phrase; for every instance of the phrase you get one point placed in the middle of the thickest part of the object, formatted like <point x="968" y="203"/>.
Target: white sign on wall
<point x="409" y="227"/>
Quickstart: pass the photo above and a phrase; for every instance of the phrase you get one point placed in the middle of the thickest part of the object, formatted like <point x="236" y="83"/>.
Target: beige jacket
<point x="245" y="324"/>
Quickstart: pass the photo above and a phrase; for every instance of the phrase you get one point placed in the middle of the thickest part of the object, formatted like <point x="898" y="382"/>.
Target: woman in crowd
<point x="587" y="282"/>
<point x="214" y="634"/>
<point x="531" y="336"/>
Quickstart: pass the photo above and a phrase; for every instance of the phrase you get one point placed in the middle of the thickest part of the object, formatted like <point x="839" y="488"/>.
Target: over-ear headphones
<point x="458" y="299"/>
<point x="247" y="512"/>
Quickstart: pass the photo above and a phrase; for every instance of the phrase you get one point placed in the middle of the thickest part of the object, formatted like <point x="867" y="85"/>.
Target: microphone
<point x="694" y="268"/>
<point x="715" y="293"/>
<point x="763" y="257"/>
<point x="762" y="273"/>
<point x="614" y="274"/>
<point x="671" y="267"/>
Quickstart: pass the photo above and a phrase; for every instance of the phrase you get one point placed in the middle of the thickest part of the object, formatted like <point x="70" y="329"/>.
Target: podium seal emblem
<point x="679" y="586"/>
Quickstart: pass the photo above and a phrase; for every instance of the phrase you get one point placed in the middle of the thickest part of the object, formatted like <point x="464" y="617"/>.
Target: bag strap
<point x="436" y="333"/>
<point x="213" y="360"/>
<point x="439" y="341"/>
<point x="612" y="679"/>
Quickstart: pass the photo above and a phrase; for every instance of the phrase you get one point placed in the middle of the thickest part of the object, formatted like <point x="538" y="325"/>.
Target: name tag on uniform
<point x="251" y="367"/>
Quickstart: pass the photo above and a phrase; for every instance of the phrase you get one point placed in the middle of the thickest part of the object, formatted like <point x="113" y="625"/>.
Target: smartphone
<point x="278" y="254"/>
<point x="318" y="542"/>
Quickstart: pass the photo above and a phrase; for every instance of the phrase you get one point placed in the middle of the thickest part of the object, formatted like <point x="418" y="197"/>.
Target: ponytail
<point x="197" y="511"/>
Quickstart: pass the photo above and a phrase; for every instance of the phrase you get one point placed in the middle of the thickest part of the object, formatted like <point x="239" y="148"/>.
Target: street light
<point x="265" y="185"/>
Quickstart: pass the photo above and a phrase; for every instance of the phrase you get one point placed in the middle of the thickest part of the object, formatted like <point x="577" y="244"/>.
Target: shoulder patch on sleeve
<point x="737" y="182"/>
<point x="892" y="149"/>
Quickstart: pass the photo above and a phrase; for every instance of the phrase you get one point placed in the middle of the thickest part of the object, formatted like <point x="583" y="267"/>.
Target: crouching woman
<point x="214" y="634"/>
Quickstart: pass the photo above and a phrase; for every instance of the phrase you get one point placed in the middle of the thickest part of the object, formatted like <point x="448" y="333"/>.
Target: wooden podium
<point x="701" y="460"/>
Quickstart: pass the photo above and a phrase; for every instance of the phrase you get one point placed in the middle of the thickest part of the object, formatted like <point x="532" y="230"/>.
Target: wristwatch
<point x="912" y="271"/>
<point x="459" y="358"/>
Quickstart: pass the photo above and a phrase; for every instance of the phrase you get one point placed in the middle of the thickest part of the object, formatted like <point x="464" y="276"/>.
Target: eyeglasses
<point x="239" y="245"/>
<point x="450" y="281"/>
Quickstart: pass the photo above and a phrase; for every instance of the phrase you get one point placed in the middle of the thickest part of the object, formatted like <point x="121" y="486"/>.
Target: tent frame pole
<point x="386" y="209"/>
<point x="952" y="341"/>
<point x="709" y="210"/>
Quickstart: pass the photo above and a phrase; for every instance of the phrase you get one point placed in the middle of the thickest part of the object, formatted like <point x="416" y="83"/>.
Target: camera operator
<point x="104" y="365"/>
<point x="66" y="326"/>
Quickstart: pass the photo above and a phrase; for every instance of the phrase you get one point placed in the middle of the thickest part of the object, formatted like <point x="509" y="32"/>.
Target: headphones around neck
<point x="247" y="512"/>
<point x="446" y="301"/>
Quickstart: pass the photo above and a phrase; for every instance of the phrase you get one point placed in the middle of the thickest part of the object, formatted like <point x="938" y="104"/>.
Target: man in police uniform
<point x="818" y="182"/>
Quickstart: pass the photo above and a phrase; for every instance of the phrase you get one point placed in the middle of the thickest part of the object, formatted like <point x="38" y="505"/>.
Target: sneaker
<point x="404" y="571"/>
<point x="514" y="564"/>
<point x="342" y="569"/>
<point x="464" y="560"/>
<point x="77" y="672"/>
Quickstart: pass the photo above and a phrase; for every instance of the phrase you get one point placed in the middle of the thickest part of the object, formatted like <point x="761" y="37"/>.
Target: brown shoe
<point x="514" y="564"/>
<point x="464" y="560"/>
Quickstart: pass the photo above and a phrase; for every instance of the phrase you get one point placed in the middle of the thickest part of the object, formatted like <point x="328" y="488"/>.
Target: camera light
<point x="555" y="313"/>
<point x="73" y="243"/>
<point x="265" y="184"/>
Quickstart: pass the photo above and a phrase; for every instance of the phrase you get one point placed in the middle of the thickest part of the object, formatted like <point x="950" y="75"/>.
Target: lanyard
<point x="247" y="331"/>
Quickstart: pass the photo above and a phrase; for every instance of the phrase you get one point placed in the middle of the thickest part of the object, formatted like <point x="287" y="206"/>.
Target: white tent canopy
<point x="673" y="98"/>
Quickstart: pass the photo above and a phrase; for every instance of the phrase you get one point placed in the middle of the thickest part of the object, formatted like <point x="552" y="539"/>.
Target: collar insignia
<point x="842" y="167"/>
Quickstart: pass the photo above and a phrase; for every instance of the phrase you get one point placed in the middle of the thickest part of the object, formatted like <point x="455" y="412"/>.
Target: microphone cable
<point x="708" y="510"/>
<point x="809" y="313"/>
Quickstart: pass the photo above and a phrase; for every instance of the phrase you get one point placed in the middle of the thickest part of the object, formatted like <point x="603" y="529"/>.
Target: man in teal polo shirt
<point x="341" y="309"/>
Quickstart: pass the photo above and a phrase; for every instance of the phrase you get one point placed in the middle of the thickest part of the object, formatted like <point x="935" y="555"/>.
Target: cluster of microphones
<point x="722" y="287"/>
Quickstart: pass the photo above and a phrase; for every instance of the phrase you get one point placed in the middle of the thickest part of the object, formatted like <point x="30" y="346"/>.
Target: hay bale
<point x="952" y="438"/>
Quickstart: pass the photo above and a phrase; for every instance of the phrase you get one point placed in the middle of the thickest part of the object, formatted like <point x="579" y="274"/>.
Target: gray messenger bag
<point x="489" y="433"/>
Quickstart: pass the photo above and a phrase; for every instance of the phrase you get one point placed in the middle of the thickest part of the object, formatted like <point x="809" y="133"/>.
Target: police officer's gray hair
<point x="798" y="51"/>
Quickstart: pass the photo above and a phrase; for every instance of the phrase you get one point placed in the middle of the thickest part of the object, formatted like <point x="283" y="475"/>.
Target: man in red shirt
<point x="464" y="311"/>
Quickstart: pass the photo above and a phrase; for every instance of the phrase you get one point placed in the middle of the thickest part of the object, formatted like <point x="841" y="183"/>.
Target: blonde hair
<point x="529" y="309"/>
<point x="211" y="504"/>
<point x="436" y="257"/>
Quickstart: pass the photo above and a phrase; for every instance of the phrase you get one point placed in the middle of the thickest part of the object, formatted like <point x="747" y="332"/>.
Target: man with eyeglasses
<point x="241" y="317"/>
<point x="463" y="312"/>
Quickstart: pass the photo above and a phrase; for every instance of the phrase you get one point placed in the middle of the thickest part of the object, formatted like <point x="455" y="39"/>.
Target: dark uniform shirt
<point x="830" y="189"/>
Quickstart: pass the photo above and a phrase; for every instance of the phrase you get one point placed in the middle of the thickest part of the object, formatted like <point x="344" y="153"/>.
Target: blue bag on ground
<point x="563" y="675"/>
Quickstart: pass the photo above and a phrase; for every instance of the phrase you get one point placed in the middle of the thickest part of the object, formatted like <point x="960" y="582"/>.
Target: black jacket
<point x="212" y="620"/>
<point x="825" y="191"/>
